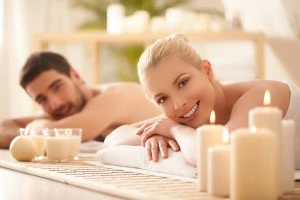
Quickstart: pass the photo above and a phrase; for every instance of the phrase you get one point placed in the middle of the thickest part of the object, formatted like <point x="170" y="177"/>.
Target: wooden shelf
<point x="96" y="38"/>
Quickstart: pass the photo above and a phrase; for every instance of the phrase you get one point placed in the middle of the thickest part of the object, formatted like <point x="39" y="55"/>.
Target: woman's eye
<point x="182" y="83"/>
<point x="161" y="100"/>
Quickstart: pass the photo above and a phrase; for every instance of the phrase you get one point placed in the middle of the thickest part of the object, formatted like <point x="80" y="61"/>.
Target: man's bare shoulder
<point x="116" y="93"/>
<point x="120" y="90"/>
<point x="118" y="86"/>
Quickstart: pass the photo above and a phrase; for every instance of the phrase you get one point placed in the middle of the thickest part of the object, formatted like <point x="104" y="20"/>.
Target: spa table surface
<point x="15" y="185"/>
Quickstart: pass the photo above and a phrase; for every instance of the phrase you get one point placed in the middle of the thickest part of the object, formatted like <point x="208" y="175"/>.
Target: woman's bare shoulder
<point x="245" y="86"/>
<point x="254" y="90"/>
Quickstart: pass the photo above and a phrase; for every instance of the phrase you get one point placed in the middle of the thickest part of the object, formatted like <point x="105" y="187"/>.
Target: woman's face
<point x="183" y="92"/>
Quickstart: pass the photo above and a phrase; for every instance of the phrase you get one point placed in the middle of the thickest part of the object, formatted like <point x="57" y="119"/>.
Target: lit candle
<point x="38" y="138"/>
<point x="266" y="116"/>
<point x="254" y="165"/>
<point x="57" y="144"/>
<point x="269" y="117"/>
<point x="208" y="136"/>
<point x="288" y="132"/>
<point x="218" y="168"/>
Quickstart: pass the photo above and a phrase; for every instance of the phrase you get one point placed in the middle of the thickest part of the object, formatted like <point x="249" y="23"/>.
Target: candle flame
<point x="212" y="118"/>
<point x="253" y="129"/>
<point x="68" y="132"/>
<point x="24" y="131"/>
<point x="225" y="136"/>
<point x="21" y="131"/>
<point x="267" y="98"/>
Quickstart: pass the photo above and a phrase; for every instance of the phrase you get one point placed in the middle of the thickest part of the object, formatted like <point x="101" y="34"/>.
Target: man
<point x="67" y="102"/>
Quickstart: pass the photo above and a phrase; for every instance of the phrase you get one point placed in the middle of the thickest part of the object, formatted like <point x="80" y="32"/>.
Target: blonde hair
<point x="174" y="44"/>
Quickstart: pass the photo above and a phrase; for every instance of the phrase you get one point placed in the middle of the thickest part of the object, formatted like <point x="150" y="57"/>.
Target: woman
<point x="185" y="89"/>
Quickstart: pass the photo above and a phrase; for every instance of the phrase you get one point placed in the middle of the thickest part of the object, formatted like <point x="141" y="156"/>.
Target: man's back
<point x="125" y="101"/>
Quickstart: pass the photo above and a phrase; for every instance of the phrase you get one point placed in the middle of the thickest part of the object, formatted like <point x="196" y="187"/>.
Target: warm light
<point x="24" y="131"/>
<point x="267" y="98"/>
<point x="56" y="132"/>
<point x="225" y="136"/>
<point x="68" y="132"/>
<point x="253" y="129"/>
<point x="212" y="118"/>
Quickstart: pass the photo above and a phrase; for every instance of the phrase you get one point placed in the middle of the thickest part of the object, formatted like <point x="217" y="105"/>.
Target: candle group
<point x="257" y="164"/>
<point x="62" y="144"/>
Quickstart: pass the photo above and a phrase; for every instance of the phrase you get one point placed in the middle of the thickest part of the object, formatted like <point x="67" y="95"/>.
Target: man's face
<point x="182" y="91"/>
<point x="59" y="95"/>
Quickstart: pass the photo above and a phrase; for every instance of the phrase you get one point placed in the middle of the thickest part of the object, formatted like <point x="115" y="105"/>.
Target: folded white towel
<point x="91" y="146"/>
<point x="136" y="157"/>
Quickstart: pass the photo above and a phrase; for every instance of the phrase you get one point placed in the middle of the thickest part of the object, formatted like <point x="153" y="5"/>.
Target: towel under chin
<point x="136" y="157"/>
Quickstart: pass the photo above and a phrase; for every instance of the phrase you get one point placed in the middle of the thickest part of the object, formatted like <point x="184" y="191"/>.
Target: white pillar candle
<point x="208" y="136"/>
<point x="254" y="165"/>
<point x="269" y="117"/>
<point x="142" y="21"/>
<point x="158" y="25"/>
<point x="115" y="18"/>
<point x="266" y="116"/>
<point x="288" y="132"/>
<point x="218" y="168"/>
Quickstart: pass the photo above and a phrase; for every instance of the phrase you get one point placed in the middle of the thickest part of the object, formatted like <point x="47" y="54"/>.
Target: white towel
<point x="136" y="157"/>
<point x="91" y="146"/>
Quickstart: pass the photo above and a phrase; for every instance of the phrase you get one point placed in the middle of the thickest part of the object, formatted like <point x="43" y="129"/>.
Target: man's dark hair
<point x="40" y="62"/>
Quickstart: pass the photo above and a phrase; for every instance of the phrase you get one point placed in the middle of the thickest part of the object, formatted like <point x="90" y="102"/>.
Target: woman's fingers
<point x="141" y="129"/>
<point x="163" y="147"/>
<point x="174" y="145"/>
<point x="148" y="132"/>
<point x="154" y="149"/>
<point x="148" y="149"/>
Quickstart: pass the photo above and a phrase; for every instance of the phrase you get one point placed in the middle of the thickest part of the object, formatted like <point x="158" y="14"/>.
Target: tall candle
<point x="115" y="18"/>
<point x="218" y="168"/>
<point x="288" y="132"/>
<point x="208" y="136"/>
<point x="269" y="117"/>
<point x="266" y="116"/>
<point x="254" y="165"/>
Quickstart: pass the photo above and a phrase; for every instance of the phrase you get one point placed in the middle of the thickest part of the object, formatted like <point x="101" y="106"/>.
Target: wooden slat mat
<point x="118" y="182"/>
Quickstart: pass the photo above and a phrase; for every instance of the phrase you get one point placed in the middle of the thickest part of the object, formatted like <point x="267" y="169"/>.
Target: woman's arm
<point x="123" y="135"/>
<point x="185" y="136"/>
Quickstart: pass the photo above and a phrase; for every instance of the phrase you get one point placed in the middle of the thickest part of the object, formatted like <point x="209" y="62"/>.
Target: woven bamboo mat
<point x="116" y="181"/>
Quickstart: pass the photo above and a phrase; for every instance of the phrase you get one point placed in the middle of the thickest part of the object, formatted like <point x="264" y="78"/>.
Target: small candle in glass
<point x="57" y="144"/>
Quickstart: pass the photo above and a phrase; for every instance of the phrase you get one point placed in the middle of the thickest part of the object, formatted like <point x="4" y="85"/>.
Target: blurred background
<point x="22" y="20"/>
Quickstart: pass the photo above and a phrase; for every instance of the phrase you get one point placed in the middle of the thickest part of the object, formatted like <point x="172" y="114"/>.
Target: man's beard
<point x="56" y="114"/>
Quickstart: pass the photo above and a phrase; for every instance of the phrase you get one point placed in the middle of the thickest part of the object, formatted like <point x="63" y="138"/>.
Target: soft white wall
<point x="272" y="17"/>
